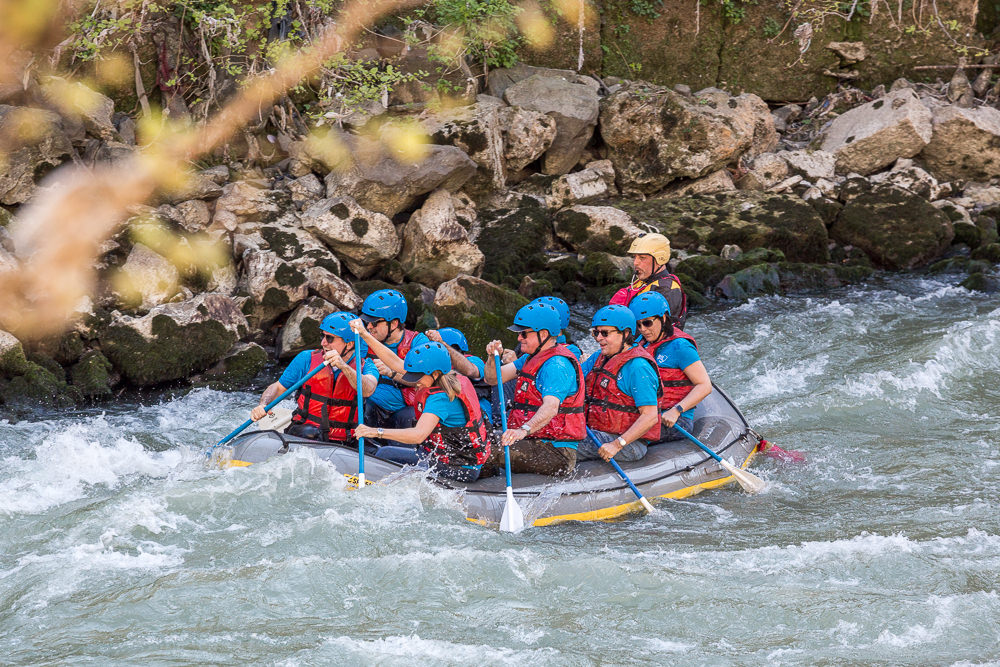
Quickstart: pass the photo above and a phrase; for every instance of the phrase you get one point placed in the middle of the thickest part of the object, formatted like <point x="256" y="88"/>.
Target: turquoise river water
<point x="118" y="545"/>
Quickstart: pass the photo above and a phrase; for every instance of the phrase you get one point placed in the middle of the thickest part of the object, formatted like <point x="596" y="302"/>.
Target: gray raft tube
<point x="594" y="491"/>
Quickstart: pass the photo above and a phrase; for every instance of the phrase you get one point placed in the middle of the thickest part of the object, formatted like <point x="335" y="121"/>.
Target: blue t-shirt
<point x="387" y="396"/>
<point x="572" y="347"/>
<point x="556" y="378"/>
<point x="637" y="378"/>
<point x="678" y="353"/>
<point x="301" y="365"/>
<point x="484" y="403"/>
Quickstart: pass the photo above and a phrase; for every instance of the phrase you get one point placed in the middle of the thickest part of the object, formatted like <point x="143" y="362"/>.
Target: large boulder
<point x="747" y="219"/>
<point x="897" y="229"/>
<point x="379" y="182"/>
<point x="811" y="164"/>
<point x="364" y="239"/>
<point x="527" y="135"/>
<point x="595" y="181"/>
<point x="502" y="78"/>
<point x="656" y="135"/>
<point x="238" y="367"/>
<point x="34" y="144"/>
<point x="12" y="359"/>
<point x="573" y="106"/>
<point x="480" y="309"/>
<point x="272" y="285"/>
<point x="965" y="144"/>
<point x="301" y="331"/>
<point x="872" y="136"/>
<point x="476" y="130"/>
<point x="436" y="245"/>
<point x="513" y="239"/>
<point x="81" y="105"/>
<point x="173" y="340"/>
<point x="146" y="279"/>
<point x="588" y="228"/>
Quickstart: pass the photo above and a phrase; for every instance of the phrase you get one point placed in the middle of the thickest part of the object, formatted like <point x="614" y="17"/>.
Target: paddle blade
<point x="646" y="504"/>
<point x="512" y="520"/>
<point x="788" y="455"/>
<point x="750" y="482"/>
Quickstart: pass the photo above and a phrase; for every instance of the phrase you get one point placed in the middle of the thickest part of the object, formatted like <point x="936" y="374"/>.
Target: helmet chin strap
<point x="631" y="283"/>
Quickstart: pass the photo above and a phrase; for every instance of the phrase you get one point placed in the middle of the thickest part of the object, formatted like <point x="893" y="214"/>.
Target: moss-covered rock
<point x="5" y="217"/>
<point x="174" y="340"/>
<point x="49" y="364"/>
<point x="694" y="289"/>
<point x="513" y="241"/>
<point x="710" y="269"/>
<point x="12" y="358"/>
<point x="855" y="273"/>
<point x="37" y="387"/>
<point x="989" y="252"/>
<point x="238" y="368"/>
<point x="970" y="235"/>
<point x="752" y="281"/>
<point x="482" y="310"/>
<point x="828" y="209"/>
<point x="747" y="219"/>
<point x="988" y="224"/>
<point x="92" y="375"/>
<point x="897" y="229"/>
<point x="982" y="282"/>
<point x="601" y="269"/>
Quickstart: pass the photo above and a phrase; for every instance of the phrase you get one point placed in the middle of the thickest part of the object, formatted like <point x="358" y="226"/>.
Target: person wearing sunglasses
<point x="384" y="315"/>
<point x="563" y="309"/>
<point x="683" y="376"/>
<point x="450" y="435"/>
<point x="327" y="407"/>
<point x="623" y="390"/>
<point x="650" y="274"/>
<point x="546" y="421"/>
<point x="467" y="364"/>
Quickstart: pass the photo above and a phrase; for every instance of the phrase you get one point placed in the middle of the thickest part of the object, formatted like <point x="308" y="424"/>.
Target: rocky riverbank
<point x="535" y="188"/>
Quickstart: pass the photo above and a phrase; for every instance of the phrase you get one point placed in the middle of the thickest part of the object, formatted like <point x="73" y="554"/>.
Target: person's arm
<point x="697" y="373"/>
<point x="648" y="414"/>
<point x="368" y="383"/>
<point x="408" y="436"/>
<point x="385" y="355"/>
<point x="545" y="413"/>
<point x="507" y="371"/>
<point x="272" y="392"/>
<point x="459" y="363"/>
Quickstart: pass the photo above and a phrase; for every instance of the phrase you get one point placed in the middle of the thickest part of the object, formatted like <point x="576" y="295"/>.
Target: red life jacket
<point x="330" y="405"/>
<point x="675" y="384"/>
<point x="569" y="423"/>
<point x="457" y="445"/>
<point x="610" y="409"/>
<point x="409" y="393"/>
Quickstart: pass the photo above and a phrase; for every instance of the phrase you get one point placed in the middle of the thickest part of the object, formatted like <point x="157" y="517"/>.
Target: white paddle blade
<point x="512" y="520"/>
<point x="361" y="480"/>
<point x="750" y="482"/>
<point x="646" y="504"/>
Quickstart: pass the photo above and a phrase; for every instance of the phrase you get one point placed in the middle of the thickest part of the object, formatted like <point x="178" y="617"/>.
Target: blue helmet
<point x="616" y="316"/>
<point x="424" y="359"/>
<point x="455" y="338"/>
<point x="649" y="304"/>
<point x="385" y="304"/>
<point x="338" y="324"/>
<point x="538" y="317"/>
<point x="561" y="307"/>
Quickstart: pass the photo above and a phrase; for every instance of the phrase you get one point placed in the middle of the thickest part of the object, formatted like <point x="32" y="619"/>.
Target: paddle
<point x="358" y="364"/>
<point x="750" y="482"/>
<point x="267" y="407"/>
<point x="621" y="473"/>
<point x="512" y="519"/>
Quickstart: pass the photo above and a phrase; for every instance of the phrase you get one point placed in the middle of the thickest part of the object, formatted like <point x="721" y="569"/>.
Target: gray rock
<point x="765" y="172"/>
<point x="274" y="287"/>
<point x="502" y="78"/>
<point x="586" y="228"/>
<point x="436" y="246"/>
<point x="965" y="145"/>
<point x="527" y="135"/>
<point x="379" y="183"/>
<point x="301" y="331"/>
<point x="476" y="130"/>
<point x="146" y="279"/>
<point x="596" y="181"/>
<point x="26" y="161"/>
<point x="874" y="135"/>
<point x="363" y="239"/>
<point x="574" y="107"/>
<point x="332" y="288"/>
<point x="81" y="104"/>
<point x="306" y="190"/>
<point x="717" y="181"/>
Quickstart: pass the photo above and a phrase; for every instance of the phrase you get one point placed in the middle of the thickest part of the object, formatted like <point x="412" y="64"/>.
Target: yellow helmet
<point x="656" y="245"/>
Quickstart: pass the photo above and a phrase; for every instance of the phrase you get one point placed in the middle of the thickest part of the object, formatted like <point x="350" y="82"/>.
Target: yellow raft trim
<point x="628" y="508"/>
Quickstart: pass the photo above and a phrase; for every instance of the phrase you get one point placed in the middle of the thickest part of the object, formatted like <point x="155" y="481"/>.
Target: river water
<point x="118" y="544"/>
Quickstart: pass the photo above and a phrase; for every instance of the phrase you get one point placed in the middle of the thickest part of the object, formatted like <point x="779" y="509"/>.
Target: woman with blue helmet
<point x="683" y="376"/>
<point x="623" y="388"/>
<point x="327" y="402"/>
<point x="466" y="364"/>
<point x="546" y="421"/>
<point x="563" y="309"/>
<point x="450" y="432"/>
<point x="384" y="314"/>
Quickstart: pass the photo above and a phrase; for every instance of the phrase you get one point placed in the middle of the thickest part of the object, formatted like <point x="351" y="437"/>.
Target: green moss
<point x="514" y="242"/>
<point x="92" y="375"/>
<point x="693" y="288"/>
<point x="575" y="227"/>
<point x="970" y="235"/>
<point x="38" y="387"/>
<point x="599" y="270"/>
<point x="284" y="244"/>
<point x="950" y="265"/>
<point x="706" y="269"/>
<point x="275" y="300"/>
<point x="493" y="313"/>
<point x="5" y="217"/>
<point x="981" y="282"/>
<point x="359" y="226"/>
<point x="49" y="364"/>
<point x="752" y="281"/>
<point x="174" y="351"/>
<point x="989" y="252"/>
<point x="239" y="369"/>
<point x="856" y="273"/>
<point x="287" y="275"/>
<point x="310" y="333"/>
<point x="802" y="276"/>
<point x="13" y="361"/>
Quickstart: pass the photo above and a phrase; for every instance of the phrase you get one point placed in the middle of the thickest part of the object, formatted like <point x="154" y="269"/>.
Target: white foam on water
<point x="69" y="461"/>
<point x="658" y="645"/>
<point x="414" y="649"/>
<point x="918" y="633"/>
<point x="769" y="381"/>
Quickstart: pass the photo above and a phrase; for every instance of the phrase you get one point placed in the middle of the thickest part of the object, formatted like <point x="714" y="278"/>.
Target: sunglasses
<point x="523" y="335"/>
<point x="602" y="333"/>
<point x="374" y="323"/>
<point x="645" y="324"/>
<point x="328" y="338"/>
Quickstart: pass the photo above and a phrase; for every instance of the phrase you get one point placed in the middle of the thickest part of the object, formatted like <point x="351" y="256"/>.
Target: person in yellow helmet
<point x="651" y="252"/>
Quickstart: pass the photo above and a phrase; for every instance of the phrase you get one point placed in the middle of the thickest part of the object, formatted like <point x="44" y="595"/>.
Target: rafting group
<point x="428" y="402"/>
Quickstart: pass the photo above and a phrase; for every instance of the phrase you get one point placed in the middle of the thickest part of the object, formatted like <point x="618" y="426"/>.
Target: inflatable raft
<point x="594" y="491"/>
